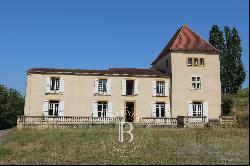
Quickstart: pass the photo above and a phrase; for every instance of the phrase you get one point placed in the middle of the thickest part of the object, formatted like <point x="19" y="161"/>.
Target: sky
<point x="100" y="34"/>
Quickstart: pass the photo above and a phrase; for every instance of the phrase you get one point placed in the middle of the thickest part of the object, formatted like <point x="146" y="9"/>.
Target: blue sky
<point x="98" y="34"/>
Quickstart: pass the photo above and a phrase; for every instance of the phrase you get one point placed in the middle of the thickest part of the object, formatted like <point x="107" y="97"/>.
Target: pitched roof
<point x="186" y="40"/>
<point x="111" y="71"/>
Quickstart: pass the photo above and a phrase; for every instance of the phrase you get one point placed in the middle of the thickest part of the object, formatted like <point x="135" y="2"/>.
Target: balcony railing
<point x="159" y="121"/>
<point x="47" y="120"/>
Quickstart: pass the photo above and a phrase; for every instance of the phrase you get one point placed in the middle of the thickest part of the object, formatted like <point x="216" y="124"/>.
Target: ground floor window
<point x="160" y="109"/>
<point x="102" y="108"/>
<point x="197" y="109"/>
<point x="53" y="108"/>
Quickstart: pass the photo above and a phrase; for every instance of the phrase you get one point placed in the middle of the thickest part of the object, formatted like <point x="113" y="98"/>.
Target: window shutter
<point x="167" y="110"/>
<point x="166" y="88"/>
<point x="94" y="107"/>
<point x="47" y="85"/>
<point x="153" y="106"/>
<point x="109" y="86"/>
<point x="96" y="82"/>
<point x="136" y="89"/>
<point x="123" y="87"/>
<point x="205" y="110"/>
<point x="109" y="109"/>
<point x="190" y="108"/>
<point x="154" y="87"/>
<point x="61" y="109"/>
<point x="46" y="108"/>
<point x="61" y="87"/>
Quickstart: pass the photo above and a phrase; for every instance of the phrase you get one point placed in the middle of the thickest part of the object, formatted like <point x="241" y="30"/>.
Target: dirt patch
<point x="3" y="134"/>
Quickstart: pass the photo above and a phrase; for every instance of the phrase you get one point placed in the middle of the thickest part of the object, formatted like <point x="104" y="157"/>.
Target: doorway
<point x="130" y="111"/>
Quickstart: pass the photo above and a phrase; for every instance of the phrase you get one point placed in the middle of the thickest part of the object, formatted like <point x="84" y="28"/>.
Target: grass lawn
<point x="99" y="145"/>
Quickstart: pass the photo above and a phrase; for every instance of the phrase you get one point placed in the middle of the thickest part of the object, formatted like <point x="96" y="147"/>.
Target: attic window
<point x="195" y="61"/>
<point x="190" y="61"/>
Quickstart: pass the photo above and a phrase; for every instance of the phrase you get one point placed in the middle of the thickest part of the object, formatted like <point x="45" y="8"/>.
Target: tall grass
<point x="100" y="145"/>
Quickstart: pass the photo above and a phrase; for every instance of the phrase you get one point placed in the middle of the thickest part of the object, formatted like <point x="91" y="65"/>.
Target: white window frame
<point x="102" y="86"/>
<point x="197" y="108"/>
<point x="196" y="63"/>
<point x="54" y="84"/>
<point x="190" y="64"/>
<point x="104" y="109"/>
<point x="203" y="62"/>
<point x="159" y="107"/>
<point x="196" y="83"/>
<point x="160" y="88"/>
<point x="54" y="107"/>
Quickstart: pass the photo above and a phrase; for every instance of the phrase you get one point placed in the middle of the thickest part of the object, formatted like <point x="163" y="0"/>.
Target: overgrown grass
<point x="99" y="145"/>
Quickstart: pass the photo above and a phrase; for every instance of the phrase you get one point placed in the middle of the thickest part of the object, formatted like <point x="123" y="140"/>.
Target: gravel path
<point x="3" y="134"/>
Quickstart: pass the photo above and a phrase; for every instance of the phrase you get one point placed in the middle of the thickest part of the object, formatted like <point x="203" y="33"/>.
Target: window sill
<point x="130" y="95"/>
<point x="102" y="94"/>
<point x="54" y="92"/>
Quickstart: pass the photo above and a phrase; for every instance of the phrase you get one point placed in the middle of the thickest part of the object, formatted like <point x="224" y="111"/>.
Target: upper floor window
<point x="196" y="83"/>
<point x="201" y="61"/>
<point x="130" y="87"/>
<point x="54" y="83"/>
<point x="190" y="62"/>
<point x="102" y="86"/>
<point x="195" y="61"/>
<point x="160" y="88"/>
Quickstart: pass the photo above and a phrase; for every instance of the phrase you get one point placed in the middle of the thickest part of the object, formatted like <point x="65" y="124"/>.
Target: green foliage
<point x="226" y="105"/>
<point x="11" y="106"/>
<point x="232" y="69"/>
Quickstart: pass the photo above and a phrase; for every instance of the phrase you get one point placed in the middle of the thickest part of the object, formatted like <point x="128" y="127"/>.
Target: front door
<point x="130" y="111"/>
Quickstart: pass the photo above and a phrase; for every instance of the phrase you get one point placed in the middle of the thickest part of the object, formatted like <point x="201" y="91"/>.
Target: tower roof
<point x="186" y="40"/>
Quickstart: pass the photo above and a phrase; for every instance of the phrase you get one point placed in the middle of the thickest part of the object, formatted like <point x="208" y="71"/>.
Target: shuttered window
<point x="160" y="88"/>
<point x="197" y="109"/>
<point x="160" y="109"/>
<point x="102" y="109"/>
<point x="102" y="86"/>
<point x="54" y="83"/>
<point x="53" y="108"/>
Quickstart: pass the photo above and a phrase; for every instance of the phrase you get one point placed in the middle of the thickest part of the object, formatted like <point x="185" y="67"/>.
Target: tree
<point x="231" y="70"/>
<point x="11" y="106"/>
<point x="234" y="66"/>
<point x="217" y="40"/>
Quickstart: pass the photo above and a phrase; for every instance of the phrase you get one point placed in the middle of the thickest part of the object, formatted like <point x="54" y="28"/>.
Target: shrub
<point x="226" y="105"/>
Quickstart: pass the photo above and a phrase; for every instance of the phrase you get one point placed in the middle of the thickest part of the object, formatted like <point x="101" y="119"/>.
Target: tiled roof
<point x="186" y="40"/>
<point x="111" y="71"/>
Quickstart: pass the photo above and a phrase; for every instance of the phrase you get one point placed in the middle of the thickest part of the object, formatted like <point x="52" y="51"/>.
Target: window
<point x="190" y="61"/>
<point x="53" y="108"/>
<point x="129" y="87"/>
<point x="160" y="90"/>
<point x="160" y="109"/>
<point x="54" y="83"/>
<point x="102" y="86"/>
<point x="201" y="61"/>
<point x="196" y="83"/>
<point x="102" y="108"/>
<point x="195" y="61"/>
<point x="197" y="109"/>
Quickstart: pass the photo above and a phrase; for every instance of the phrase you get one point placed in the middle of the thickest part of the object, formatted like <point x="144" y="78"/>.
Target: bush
<point x="11" y="106"/>
<point x="226" y="105"/>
